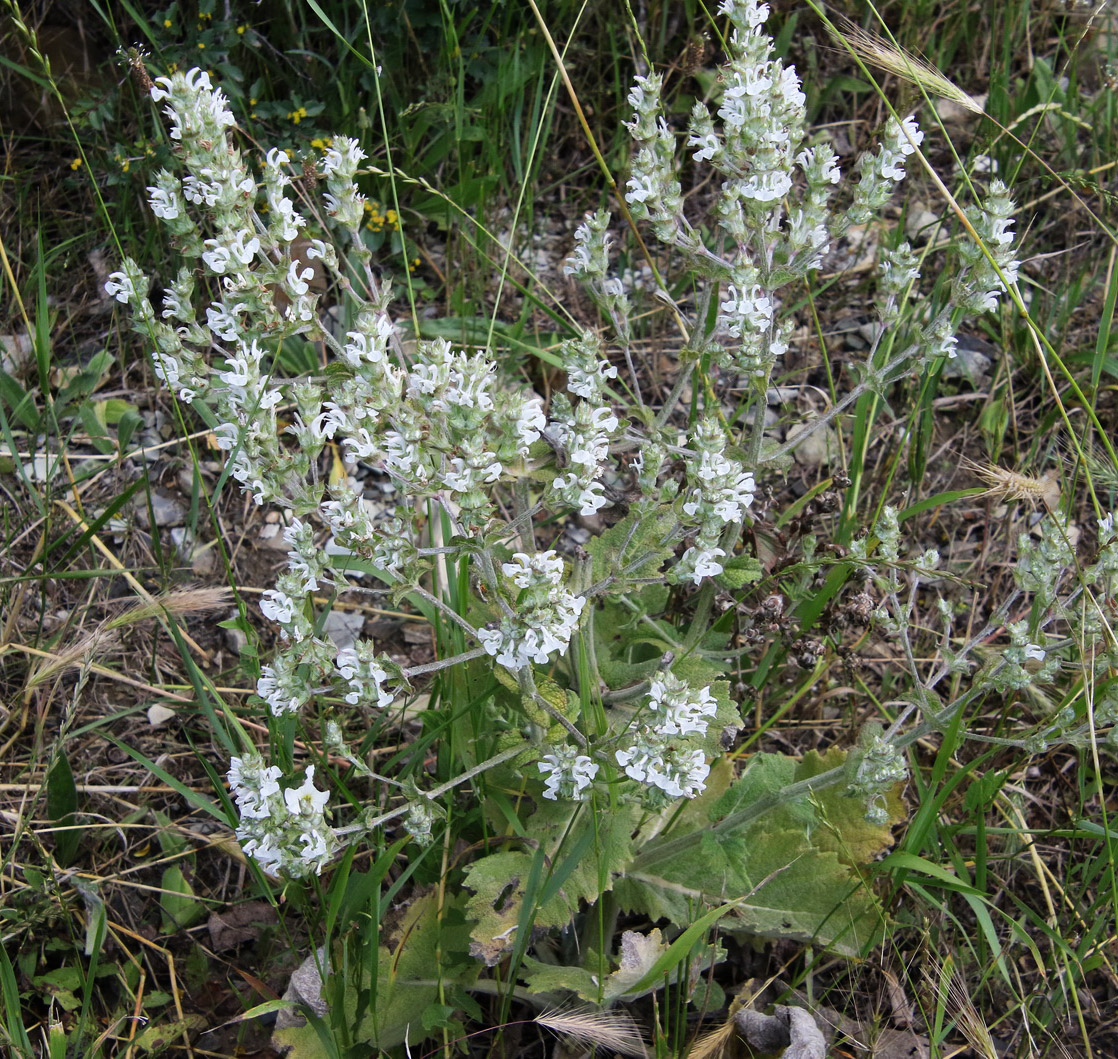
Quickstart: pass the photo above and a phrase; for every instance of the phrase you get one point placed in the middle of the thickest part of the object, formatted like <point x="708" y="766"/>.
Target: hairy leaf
<point x="541" y="886"/>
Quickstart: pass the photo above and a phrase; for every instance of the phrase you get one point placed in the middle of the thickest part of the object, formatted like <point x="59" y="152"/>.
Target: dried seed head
<point x="860" y="608"/>
<point x="772" y="606"/>
<point x="885" y="55"/>
<point x="694" y="55"/>
<point x="1006" y="485"/>
<point x="310" y="175"/>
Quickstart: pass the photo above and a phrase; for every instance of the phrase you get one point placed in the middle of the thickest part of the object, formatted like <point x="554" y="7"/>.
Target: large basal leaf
<point x="792" y="871"/>
<point x="571" y="860"/>
<point x="407" y="982"/>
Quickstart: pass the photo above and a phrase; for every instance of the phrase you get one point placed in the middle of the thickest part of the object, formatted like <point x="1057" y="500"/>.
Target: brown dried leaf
<point x="239" y="924"/>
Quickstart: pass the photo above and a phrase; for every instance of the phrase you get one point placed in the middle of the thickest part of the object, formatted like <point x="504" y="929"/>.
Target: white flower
<point x="678" y="773"/>
<point x="237" y="247"/>
<point x="280" y="687"/>
<point x="306" y="800"/>
<point x="343" y="158"/>
<point x="278" y="607"/>
<point x="120" y="286"/>
<point x="589" y="499"/>
<point x="678" y="709"/>
<point x="254" y="786"/>
<point x="768" y="186"/>
<point x="1035" y="652"/>
<point x="641" y="188"/>
<point x="297" y="281"/>
<point x="314" y="849"/>
<point x="570" y="773"/>
<point x="200" y="192"/>
<point x="703" y="562"/>
<point x="746" y="308"/>
<point x="222" y="320"/>
<point x="361" y="669"/>
<point x="708" y="145"/>
<point x="911" y="135"/>
<point x="530" y="421"/>
<point x="165" y="203"/>
<point x="535" y="633"/>
<point x="263" y="849"/>
<point x="528" y="570"/>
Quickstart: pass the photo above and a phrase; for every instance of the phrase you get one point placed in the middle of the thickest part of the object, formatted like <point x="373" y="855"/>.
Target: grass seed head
<point x="1004" y="485"/>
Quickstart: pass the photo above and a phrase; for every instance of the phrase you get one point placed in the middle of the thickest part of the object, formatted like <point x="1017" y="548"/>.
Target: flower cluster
<point x="282" y="829"/>
<point x="880" y="171"/>
<point x="983" y="278"/>
<point x="363" y="671"/>
<point x="442" y="427"/>
<point x="1023" y="662"/>
<point x="588" y="371"/>
<point x="1042" y="563"/>
<point x="583" y="433"/>
<point x="762" y="114"/>
<point x="661" y="754"/>
<point x="653" y="189"/>
<point x="875" y="769"/>
<point x="470" y="457"/>
<point x="545" y="615"/>
<point x="589" y="263"/>
<point x="720" y="492"/>
<point x="568" y="772"/>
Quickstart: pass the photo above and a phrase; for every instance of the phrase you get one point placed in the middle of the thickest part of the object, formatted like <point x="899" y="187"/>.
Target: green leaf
<point x="62" y="803"/>
<point x="20" y="403"/>
<point x="846" y="832"/>
<point x="740" y="571"/>
<point x="637" y="547"/>
<point x="792" y="870"/>
<point x="126" y="427"/>
<point x="993" y="422"/>
<point x="95" y="427"/>
<point x="14" y="1028"/>
<point x="408" y="971"/>
<point x="555" y="978"/>
<point x="580" y="855"/>
<point x="180" y="908"/>
<point x="62" y="985"/>
<point x="191" y="796"/>
<point x="657" y="961"/>
<point x="157" y="1036"/>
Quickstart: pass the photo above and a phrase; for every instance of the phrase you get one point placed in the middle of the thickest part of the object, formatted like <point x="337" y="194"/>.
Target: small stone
<point x="203" y="562"/>
<point x="158" y="715"/>
<point x="952" y="113"/>
<point x="200" y="557"/>
<point x="168" y="510"/>
<point x="185" y="480"/>
<point x="271" y="536"/>
<point x="782" y="394"/>
<point x="970" y="362"/>
<point x="417" y="633"/>
<point x="16" y="352"/>
<point x="920" y="224"/>
<point x="343" y="627"/>
<point x="817" y="450"/>
<point x="234" y="637"/>
<point x="42" y="467"/>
